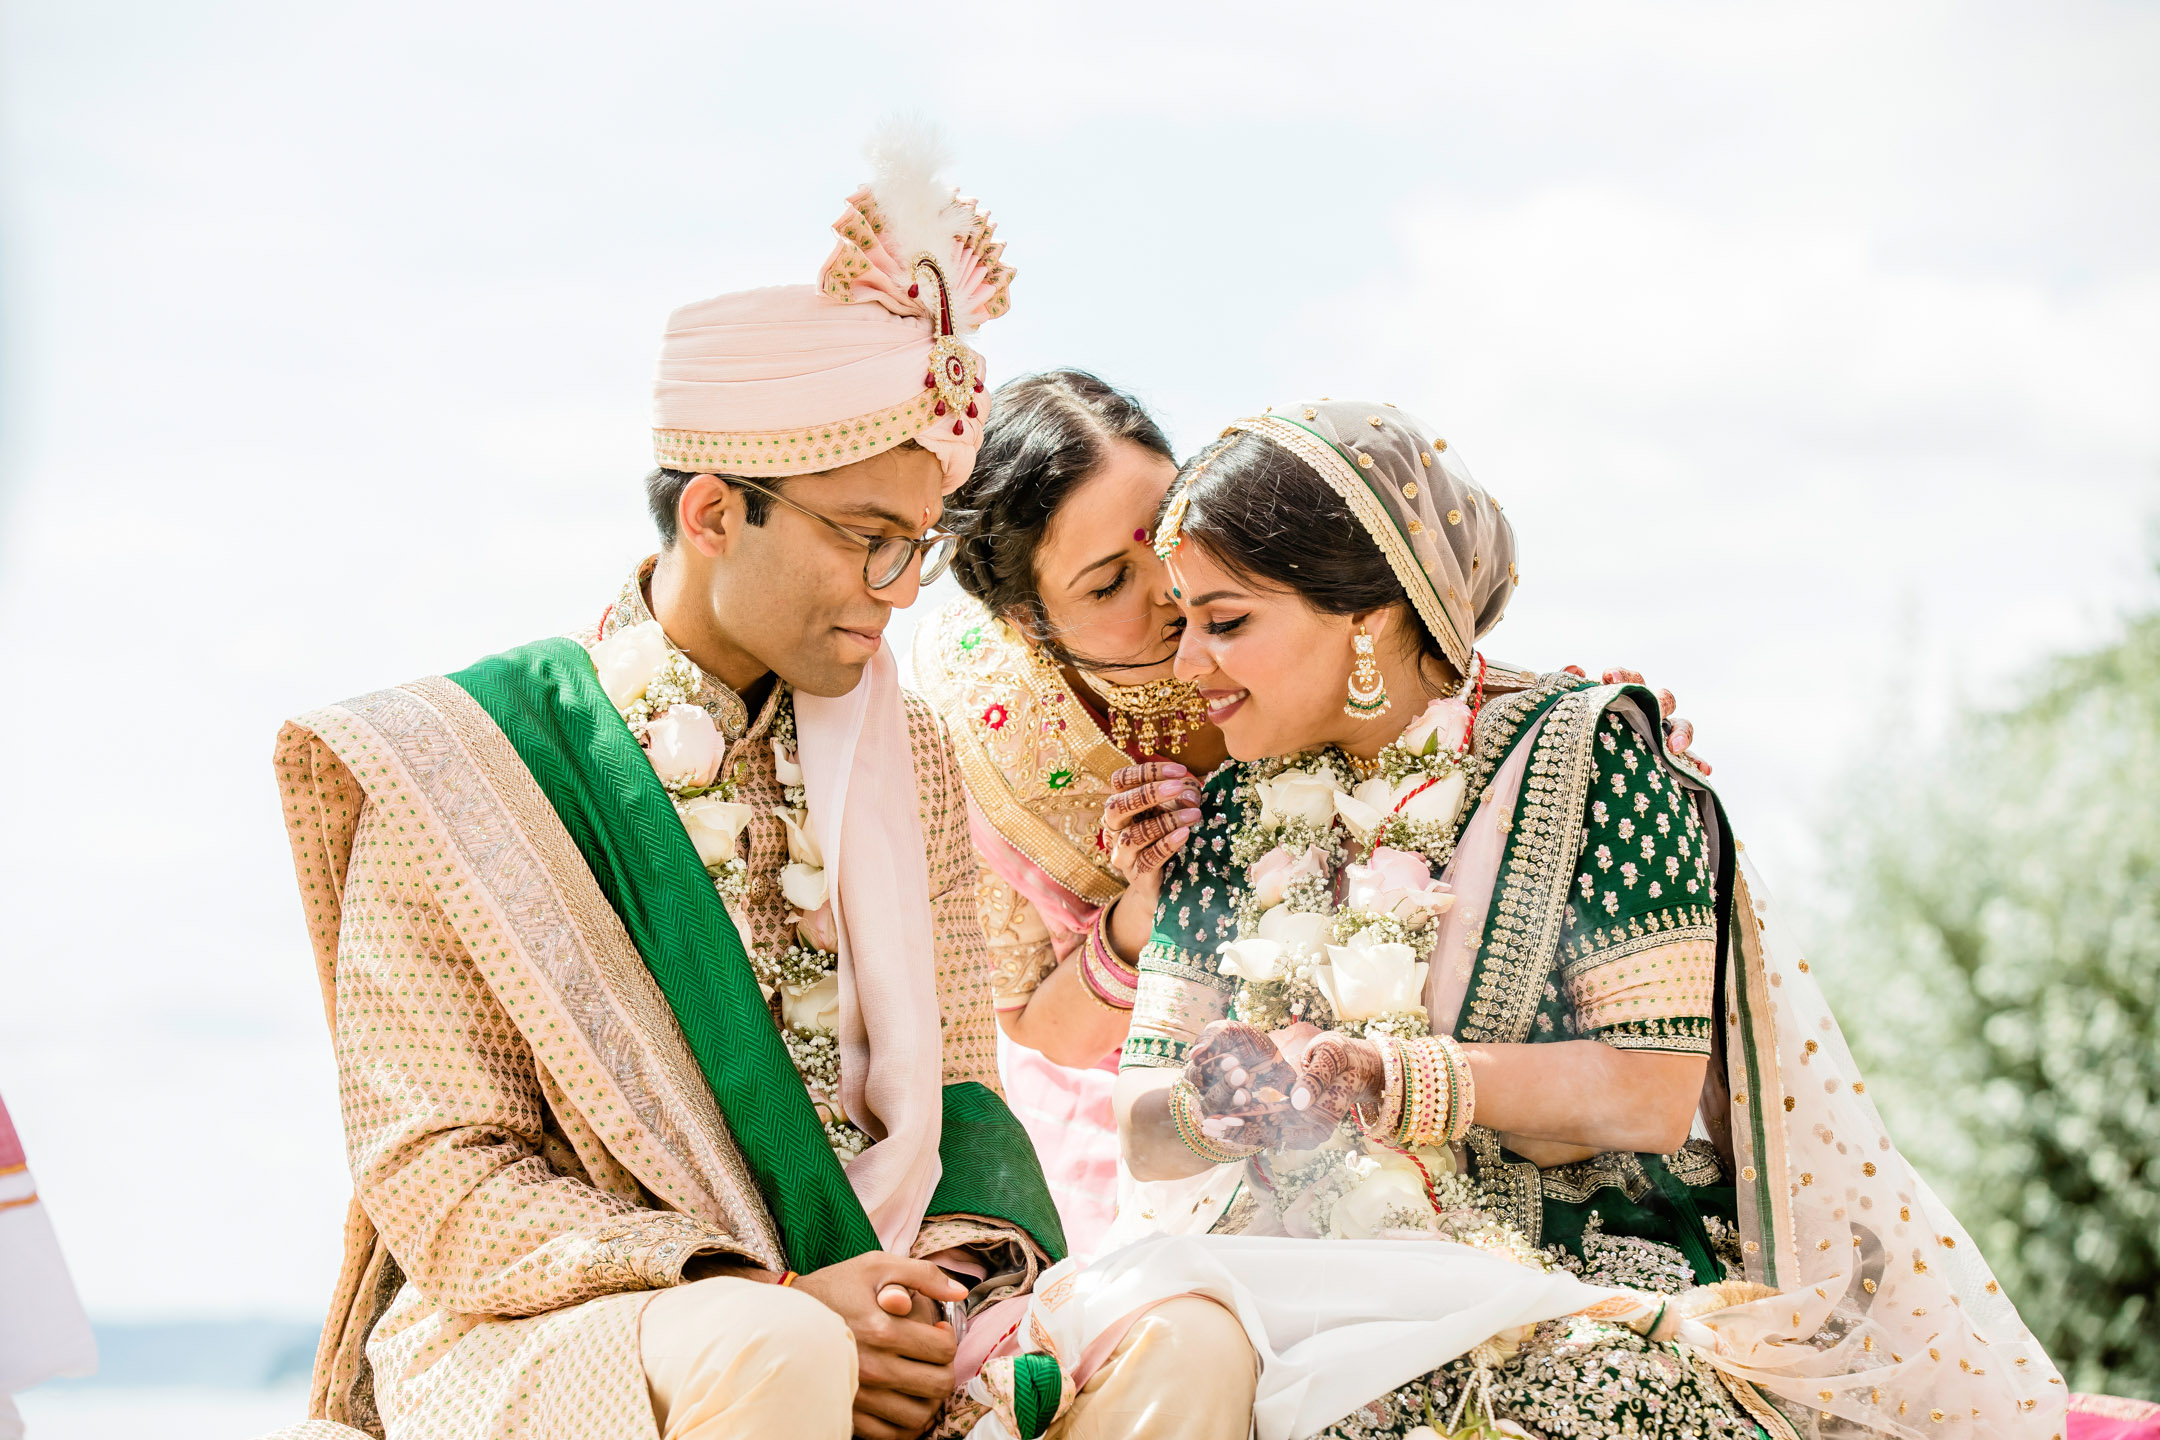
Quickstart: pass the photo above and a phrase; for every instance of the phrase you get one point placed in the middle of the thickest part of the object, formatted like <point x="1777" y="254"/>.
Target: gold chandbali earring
<point x="1368" y="697"/>
<point x="1160" y="712"/>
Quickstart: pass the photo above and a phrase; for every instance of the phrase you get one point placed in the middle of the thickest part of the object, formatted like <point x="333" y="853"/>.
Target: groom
<point x="619" y="1170"/>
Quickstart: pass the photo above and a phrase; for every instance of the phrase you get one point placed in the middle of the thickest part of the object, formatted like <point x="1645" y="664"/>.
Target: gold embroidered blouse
<point x="1038" y="766"/>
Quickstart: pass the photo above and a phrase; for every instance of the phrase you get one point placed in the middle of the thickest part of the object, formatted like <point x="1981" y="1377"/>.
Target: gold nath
<point x="1165" y="710"/>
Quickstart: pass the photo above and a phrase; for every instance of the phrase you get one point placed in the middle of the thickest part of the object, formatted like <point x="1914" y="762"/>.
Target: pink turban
<point x="793" y="379"/>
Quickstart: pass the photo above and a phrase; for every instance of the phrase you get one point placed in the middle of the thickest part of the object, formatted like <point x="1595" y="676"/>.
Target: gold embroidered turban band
<point x="792" y="379"/>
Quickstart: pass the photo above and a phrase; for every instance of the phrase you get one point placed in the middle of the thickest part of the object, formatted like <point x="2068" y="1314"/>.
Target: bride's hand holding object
<point x="1241" y="1085"/>
<point x="1338" y="1075"/>
<point x="1152" y="808"/>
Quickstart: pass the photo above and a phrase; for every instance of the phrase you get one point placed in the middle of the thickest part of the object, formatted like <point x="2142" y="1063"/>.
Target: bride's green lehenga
<point x="1604" y="924"/>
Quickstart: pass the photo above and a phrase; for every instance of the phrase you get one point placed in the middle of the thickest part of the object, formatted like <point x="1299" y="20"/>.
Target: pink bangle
<point x="1107" y="978"/>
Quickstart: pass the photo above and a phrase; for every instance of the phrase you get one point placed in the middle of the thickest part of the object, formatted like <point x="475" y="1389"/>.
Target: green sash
<point x="548" y="702"/>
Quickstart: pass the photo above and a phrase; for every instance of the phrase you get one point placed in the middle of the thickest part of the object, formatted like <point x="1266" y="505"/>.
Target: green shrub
<point x="1996" y="963"/>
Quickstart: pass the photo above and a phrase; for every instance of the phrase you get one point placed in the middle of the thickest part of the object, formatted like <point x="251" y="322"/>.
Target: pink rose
<point x="1440" y="727"/>
<point x="684" y="746"/>
<point x="1276" y="871"/>
<point x="818" y="931"/>
<point x="1397" y="883"/>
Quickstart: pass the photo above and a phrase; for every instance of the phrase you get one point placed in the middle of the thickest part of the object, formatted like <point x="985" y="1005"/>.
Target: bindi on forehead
<point x="1140" y="535"/>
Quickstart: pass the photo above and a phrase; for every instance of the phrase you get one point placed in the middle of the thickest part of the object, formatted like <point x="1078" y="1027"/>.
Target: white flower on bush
<point x="1397" y="883"/>
<point x="1298" y="795"/>
<point x="817" y="1008"/>
<point x="684" y="746"/>
<point x="715" y="827"/>
<point x="629" y="659"/>
<point x="1366" y="978"/>
<point x="1282" y="936"/>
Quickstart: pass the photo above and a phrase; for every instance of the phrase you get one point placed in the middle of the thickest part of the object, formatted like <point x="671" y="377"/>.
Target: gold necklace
<point x="1165" y="710"/>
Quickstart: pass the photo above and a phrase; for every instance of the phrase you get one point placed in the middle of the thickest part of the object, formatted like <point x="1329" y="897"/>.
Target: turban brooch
<point x="793" y="379"/>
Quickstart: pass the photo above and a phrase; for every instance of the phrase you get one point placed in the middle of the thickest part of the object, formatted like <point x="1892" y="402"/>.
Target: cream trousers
<point x="733" y="1359"/>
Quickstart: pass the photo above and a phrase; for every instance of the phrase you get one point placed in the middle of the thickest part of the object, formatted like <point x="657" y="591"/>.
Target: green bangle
<point x="1185" y="1116"/>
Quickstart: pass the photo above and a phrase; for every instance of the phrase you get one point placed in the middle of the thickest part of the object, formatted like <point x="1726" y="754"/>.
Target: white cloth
<point x="1334" y="1322"/>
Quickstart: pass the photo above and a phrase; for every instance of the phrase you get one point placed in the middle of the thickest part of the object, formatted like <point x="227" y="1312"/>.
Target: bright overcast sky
<point x="1815" y="350"/>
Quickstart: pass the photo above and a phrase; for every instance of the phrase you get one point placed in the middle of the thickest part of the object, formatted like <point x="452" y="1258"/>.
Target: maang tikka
<point x="1368" y="697"/>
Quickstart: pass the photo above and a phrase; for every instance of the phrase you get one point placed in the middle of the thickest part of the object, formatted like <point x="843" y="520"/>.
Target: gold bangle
<point x="1185" y="1118"/>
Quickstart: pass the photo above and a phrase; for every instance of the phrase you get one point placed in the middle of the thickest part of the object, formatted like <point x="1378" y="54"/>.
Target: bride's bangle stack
<point x="1107" y="978"/>
<point x="1427" y="1093"/>
<point x="1185" y="1115"/>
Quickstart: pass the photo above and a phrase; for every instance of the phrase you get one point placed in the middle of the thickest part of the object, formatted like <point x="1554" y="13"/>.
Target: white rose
<point x="802" y="846"/>
<point x="1364" y="979"/>
<point x="804" y="886"/>
<point x="1299" y="795"/>
<point x="1365" y="807"/>
<point x="1256" y="960"/>
<point x="628" y="660"/>
<point x="1421" y="1432"/>
<point x="684" y="745"/>
<point x="784" y="765"/>
<point x="715" y="827"/>
<point x="817" y="1008"/>
<point x="1437" y="802"/>
<point x="1295" y="929"/>
<point x="1362" y="1211"/>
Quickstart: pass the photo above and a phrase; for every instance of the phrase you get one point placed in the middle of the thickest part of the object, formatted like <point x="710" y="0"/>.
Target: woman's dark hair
<point x="1266" y="517"/>
<point x="1046" y="434"/>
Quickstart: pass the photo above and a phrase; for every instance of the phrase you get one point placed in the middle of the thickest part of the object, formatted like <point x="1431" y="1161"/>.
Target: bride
<point x="1460" y="1009"/>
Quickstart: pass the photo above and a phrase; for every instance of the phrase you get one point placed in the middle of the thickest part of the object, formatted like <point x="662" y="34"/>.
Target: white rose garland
<point x="653" y="686"/>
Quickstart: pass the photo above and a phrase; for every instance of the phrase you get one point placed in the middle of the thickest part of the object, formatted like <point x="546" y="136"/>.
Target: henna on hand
<point x="1151" y="811"/>
<point x="1341" y="1073"/>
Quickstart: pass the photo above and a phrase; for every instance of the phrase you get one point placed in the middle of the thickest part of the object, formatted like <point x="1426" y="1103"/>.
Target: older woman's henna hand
<point x="1679" y="733"/>
<point x="1151" y="809"/>
<point x="1340" y="1074"/>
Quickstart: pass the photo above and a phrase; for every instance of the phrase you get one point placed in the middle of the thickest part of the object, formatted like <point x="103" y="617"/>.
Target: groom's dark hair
<point x="663" y="492"/>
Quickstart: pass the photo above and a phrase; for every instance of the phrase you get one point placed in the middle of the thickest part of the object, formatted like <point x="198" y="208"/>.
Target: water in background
<point x="181" y="1380"/>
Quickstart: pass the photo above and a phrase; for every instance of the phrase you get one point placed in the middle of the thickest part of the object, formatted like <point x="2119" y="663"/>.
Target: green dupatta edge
<point x="547" y="701"/>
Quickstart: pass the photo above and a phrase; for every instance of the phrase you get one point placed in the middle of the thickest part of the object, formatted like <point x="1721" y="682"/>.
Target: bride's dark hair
<point x="1046" y="433"/>
<point x="1265" y="516"/>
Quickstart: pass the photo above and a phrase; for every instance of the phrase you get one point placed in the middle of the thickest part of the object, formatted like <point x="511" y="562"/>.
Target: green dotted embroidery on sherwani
<point x="1180" y="989"/>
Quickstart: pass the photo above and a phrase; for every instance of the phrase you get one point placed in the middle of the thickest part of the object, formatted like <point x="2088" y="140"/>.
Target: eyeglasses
<point x="888" y="557"/>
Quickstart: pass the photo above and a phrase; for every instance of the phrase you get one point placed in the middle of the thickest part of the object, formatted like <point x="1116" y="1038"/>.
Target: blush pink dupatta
<point x="859" y="772"/>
